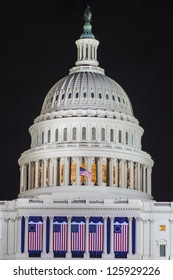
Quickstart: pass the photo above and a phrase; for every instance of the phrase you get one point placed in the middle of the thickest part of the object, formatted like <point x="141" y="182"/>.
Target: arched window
<point x="83" y="133"/>
<point x="127" y="138"/>
<point x="84" y="94"/>
<point x="120" y="137"/>
<point x="48" y="136"/>
<point x="103" y="134"/>
<point x="42" y="138"/>
<point x="74" y="133"/>
<point x="100" y="95"/>
<point x="65" y="134"/>
<point x="77" y="94"/>
<point x="56" y="135"/>
<point x="93" y="133"/>
<point x="112" y="135"/>
<point x="92" y="94"/>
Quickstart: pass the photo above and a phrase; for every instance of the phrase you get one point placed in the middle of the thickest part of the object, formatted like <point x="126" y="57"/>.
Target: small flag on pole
<point x="85" y="172"/>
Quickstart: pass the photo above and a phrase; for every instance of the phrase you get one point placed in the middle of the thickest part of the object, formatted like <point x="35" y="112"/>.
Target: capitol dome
<point x="87" y="90"/>
<point x="86" y="142"/>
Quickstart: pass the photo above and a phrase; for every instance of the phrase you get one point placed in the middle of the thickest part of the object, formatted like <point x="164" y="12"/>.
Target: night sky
<point x="37" y="48"/>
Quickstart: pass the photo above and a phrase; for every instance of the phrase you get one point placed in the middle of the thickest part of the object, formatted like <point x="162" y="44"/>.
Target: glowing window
<point x="162" y="228"/>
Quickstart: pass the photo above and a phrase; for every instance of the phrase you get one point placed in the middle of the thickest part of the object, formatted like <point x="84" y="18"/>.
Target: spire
<point x="87" y="48"/>
<point x="87" y="28"/>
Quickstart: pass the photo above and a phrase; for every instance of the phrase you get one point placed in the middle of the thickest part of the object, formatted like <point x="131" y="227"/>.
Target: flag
<point x="96" y="237"/>
<point x="120" y="236"/>
<point x="60" y="236"/>
<point x="35" y="234"/>
<point x="85" y="172"/>
<point x="78" y="236"/>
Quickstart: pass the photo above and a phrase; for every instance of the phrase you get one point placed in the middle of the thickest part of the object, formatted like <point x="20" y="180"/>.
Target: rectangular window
<point x="162" y="250"/>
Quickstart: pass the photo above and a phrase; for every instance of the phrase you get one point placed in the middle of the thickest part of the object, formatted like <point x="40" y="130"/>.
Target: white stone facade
<point x="86" y="123"/>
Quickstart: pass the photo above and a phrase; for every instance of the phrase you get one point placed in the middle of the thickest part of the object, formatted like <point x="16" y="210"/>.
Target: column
<point x="15" y="235"/>
<point x="51" y="237"/>
<point x="112" y="236"/>
<point x="55" y="172"/>
<point x="86" y="255"/>
<point x="105" y="237"/>
<point x="29" y="176"/>
<point x="89" y="161"/>
<point x="116" y="173"/>
<point x="146" y="239"/>
<point x="67" y="171"/>
<point x="68" y="255"/>
<point x="36" y="174"/>
<point x="149" y="181"/>
<point x="44" y="236"/>
<point x="122" y="173"/>
<point x="138" y="176"/>
<point x="78" y="160"/>
<point x="171" y="239"/>
<point x="131" y="175"/>
<point x="5" y="237"/>
<point x="152" y="239"/>
<point x="125" y="174"/>
<point x="137" y="241"/>
<point x="50" y="173"/>
<point x="18" y="235"/>
<point x="44" y="172"/>
<point x="144" y="179"/>
<point x="141" y="236"/>
<point x="89" y="51"/>
<point x="26" y="236"/>
<point x="130" y="238"/>
<point x="111" y="172"/>
<point x="11" y="236"/>
<point x="22" y="178"/>
<point x="99" y="171"/>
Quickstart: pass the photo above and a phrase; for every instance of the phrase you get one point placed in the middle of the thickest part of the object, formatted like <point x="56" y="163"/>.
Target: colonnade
<point x="145" y="240"/>
<point x="69" y="252"/>
<point x="65" y="171"/>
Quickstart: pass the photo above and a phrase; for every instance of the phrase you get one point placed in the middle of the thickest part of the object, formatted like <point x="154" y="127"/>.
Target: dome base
<point x="86" y="192"/>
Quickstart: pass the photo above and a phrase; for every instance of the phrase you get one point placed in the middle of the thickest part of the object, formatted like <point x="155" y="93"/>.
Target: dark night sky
<point x="136" y="50"/>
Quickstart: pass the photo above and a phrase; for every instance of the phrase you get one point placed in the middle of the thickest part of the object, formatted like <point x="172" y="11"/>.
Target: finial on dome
<point x="87" y="29"/>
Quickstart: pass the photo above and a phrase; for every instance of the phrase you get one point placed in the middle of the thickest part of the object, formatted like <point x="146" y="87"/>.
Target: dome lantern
<point x="87" y="44"/>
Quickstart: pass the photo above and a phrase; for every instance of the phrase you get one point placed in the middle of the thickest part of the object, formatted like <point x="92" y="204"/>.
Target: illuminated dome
<point x="86" y="143"/>
<point x="87" y="90"/>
